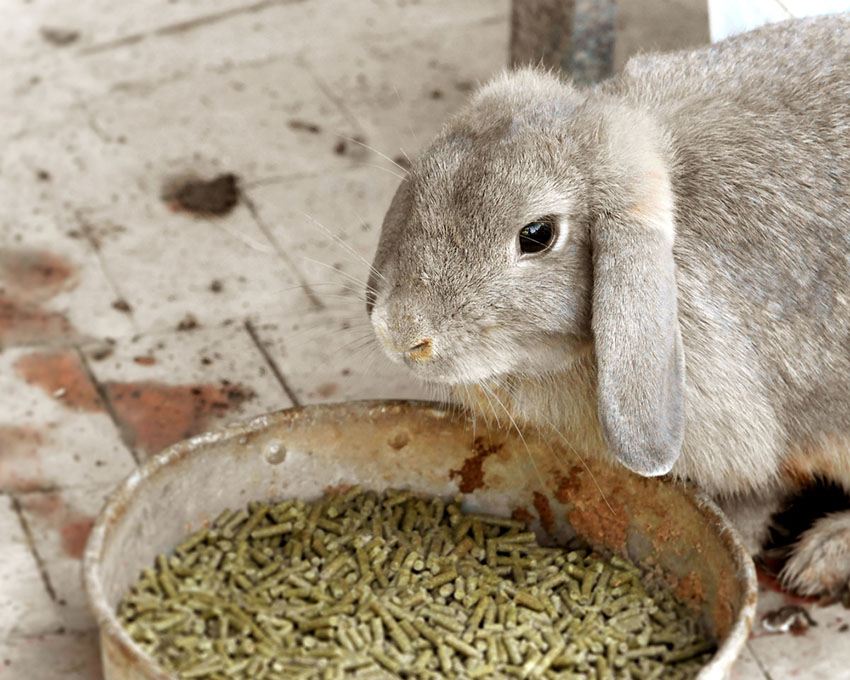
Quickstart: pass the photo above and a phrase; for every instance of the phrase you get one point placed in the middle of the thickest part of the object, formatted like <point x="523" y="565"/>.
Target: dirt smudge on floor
<point x="327" y="390"/>
<point x="207" y="198"/>
<point x="59" y="37"/>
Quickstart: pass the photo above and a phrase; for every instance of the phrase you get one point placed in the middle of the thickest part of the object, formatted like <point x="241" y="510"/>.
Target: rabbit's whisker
<point x="351" y="278"/>
<point x="519" y="432"/>
<point x="345" y="246"/>
<point x="581" y="460"/>
<point x="374" y="150"/>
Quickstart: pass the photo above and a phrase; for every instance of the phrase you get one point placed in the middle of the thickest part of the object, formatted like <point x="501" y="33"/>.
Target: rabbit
<point x="656" y="267"/>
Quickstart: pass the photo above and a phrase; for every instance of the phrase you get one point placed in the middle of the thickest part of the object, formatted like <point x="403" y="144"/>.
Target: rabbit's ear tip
<point x="649" y="461"/>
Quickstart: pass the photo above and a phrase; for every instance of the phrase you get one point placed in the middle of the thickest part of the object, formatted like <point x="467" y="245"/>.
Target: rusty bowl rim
<point x="122" y="496"/>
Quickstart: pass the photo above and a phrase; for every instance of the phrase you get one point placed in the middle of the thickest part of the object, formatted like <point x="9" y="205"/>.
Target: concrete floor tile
<point x="25" y="605"/>
<point x="54" y="289"/>
<point x="258" y="120"/>
<point x="276" y="29"/>
<point x="332" y="356"/>
<point x="820" y="653"/>
<point x="54" y="26"/>
<point x="39" y="96"/>
<point x="165" y="387"/>
<point x="747" y="668"/>
<point x="69" y="656"/>
<point x="59" y="522"/>
<point x="55" y="431"/>
<point x="167" y="266"/>
<point x="399" y="113"/>
<point x="329" y="226"/>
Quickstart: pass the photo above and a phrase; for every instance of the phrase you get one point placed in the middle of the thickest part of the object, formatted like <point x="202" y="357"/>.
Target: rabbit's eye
<point x="536" y="237"/>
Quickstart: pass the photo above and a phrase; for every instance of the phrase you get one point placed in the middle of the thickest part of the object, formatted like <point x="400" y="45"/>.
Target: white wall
<point x="727" y="17"/>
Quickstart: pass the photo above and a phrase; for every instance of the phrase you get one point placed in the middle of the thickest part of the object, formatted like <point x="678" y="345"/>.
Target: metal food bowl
<point x="303" y="452"/>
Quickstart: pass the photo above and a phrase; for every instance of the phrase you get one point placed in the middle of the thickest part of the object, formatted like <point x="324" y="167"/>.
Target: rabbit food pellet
<point x="362" y="585"/>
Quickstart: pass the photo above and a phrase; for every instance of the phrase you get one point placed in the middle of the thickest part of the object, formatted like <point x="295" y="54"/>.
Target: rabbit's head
<point x="540" y="221"/>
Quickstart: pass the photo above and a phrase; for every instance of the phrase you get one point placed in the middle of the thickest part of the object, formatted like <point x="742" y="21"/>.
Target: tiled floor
<point x="126" y="325"/>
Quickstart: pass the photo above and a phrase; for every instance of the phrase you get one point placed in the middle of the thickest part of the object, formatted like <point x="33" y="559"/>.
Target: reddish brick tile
<point x="62" y="376"/>
<point x="59" y="523"/>
<point x="25" y="325"/>
<point x="197" y="380"/>
<point x="71" y="525"/>
<point x="21" y="467"/>
<point x="33" y="276"/>
<point x="156" y="414"/>
<point x="151" y="414"/>
<point x="54" y="431"/>
<point x="28" y="278"/>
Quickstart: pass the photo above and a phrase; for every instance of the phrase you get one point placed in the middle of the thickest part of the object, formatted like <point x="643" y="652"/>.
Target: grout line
<point x="290" y="55"/>
<point x="59" y="631"/>
<point x="184" y="26"/>
<point x="39" y="561"/>
<point x="87" y="230"/>
<point x="767" y="675"/>
<point x="281" y="179"/>
<point x="271" y="363"/>
<point x="255" y="214"/>
<point x="107" y="404"/>
<point x="334" y="99"/>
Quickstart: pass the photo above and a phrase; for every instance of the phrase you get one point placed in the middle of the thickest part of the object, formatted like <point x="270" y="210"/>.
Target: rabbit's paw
<point x="820" y="561"/>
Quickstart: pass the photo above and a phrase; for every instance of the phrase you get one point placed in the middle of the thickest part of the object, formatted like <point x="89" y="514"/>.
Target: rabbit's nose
<point x="420" y="351"/>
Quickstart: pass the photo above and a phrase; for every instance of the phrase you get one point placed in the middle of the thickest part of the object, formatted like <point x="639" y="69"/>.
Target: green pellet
<point x="444" y="654"/>
<point x="362" y="585"/>
<point x="386" y="661"/>
<point x="524" y="599"/>
<point x="447" y="576"/>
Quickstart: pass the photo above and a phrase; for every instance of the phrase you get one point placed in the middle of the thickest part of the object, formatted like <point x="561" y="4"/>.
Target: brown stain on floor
<point x="155" y="415"/>
<point x="33" y="276"/>
<point x="327" y="390"/>
<point x="471" y="473"/>
<point x="62" y="376"/>
<point x="151" y="414"/>
<point x="21" y="467"/>
<point x="28" y="279"/>
<point x="71" y="526"/>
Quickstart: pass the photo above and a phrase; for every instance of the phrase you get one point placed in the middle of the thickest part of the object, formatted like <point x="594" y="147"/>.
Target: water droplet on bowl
<point x="275" y="452"/>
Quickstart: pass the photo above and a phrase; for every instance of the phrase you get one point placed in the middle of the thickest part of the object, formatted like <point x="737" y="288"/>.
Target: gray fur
<point x="697" y="317"/>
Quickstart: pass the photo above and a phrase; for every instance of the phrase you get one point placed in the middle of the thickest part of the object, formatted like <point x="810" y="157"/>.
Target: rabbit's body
<point x="693" y="313"/>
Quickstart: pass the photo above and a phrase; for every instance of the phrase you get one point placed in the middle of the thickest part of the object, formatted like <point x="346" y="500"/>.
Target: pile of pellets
<point x="367" y="585"/>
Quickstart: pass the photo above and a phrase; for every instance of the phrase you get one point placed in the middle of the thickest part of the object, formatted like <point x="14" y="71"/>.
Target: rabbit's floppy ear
<point x="638" y="346"/>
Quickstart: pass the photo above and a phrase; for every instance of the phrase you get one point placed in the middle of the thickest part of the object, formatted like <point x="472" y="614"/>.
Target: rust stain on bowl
<point x="544" y="509"/>
<point x="471" y="473"/>
<point x="595" y="515"/>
